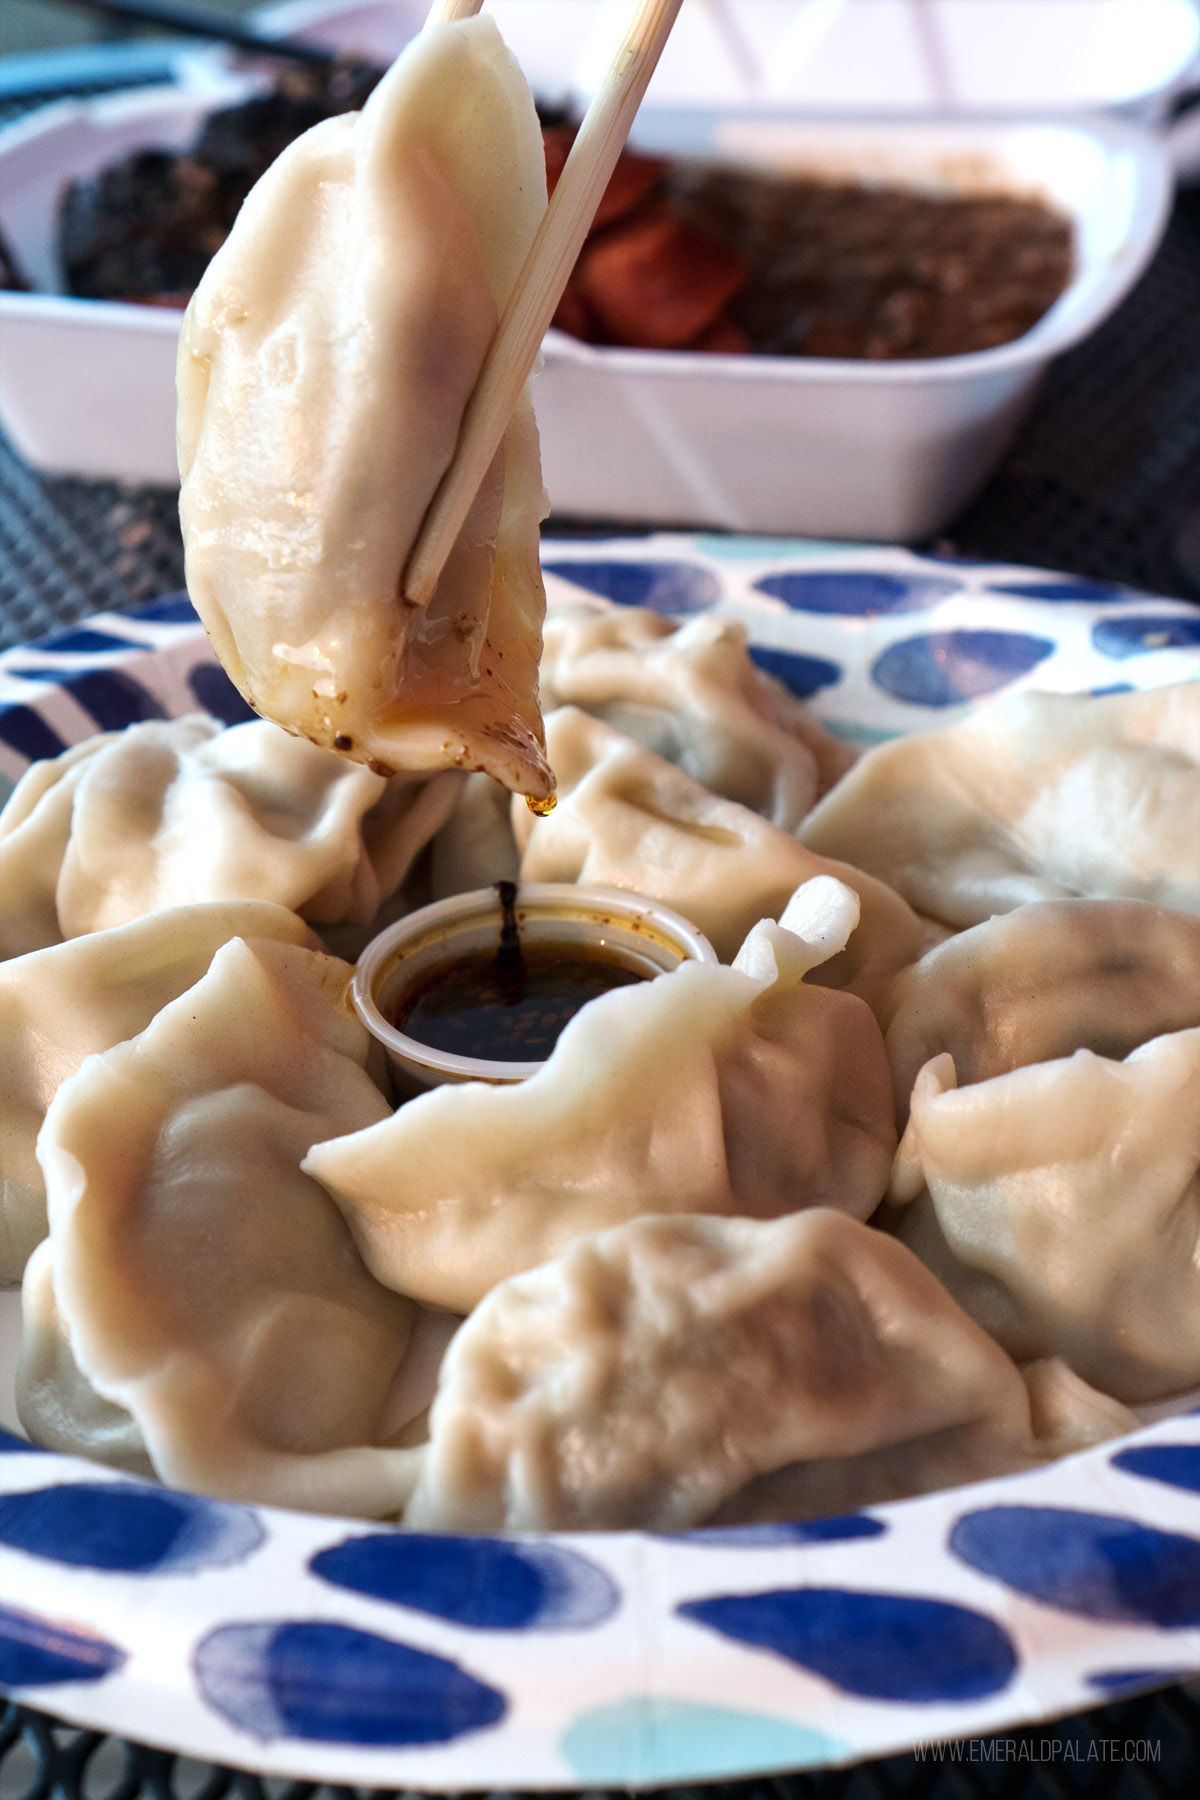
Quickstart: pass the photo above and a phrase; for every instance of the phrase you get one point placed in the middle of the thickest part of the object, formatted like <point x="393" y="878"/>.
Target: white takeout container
<point x="831" y="447"/>
<point x="894" y="56"/>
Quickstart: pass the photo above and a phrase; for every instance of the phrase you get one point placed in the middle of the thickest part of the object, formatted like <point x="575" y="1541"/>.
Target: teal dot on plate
<point x="654" y="1738"/>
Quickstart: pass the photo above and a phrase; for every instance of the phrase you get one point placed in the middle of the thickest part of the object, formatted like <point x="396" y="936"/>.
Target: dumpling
<point x="1031" y="797"/>
<point x="652" y="1373"/>
<point x="171" y="812"/>
<point x="627" y="819"/>
<point x="1042" y="981"/>
<point x="324" y="365"/>
<point x="35" y="824"/>
<point x="64" y="1003"/>
<point x="71" y="1417"/>
<point x="708" y="1089"/>
<point x="1063" y="1415"/>
<point x="1060" y="1205"/>
<point x="206" y="1286"/>
<point x="692" y="694"/>
<point x="476" y="847"/>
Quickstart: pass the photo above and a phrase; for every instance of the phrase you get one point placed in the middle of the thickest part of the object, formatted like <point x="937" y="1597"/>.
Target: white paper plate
<point x="353" y="1653"/>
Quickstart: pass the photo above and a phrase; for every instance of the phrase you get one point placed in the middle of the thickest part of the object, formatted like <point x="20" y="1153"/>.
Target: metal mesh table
<point x="1104" y="481"/>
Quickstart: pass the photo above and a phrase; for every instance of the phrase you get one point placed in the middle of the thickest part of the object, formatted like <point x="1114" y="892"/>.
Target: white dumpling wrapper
<point x="1030" y="797"/>
<point x="1041" y="982"/>
<point x="71" y="1000"/>
<point x="324" y="365"/>
<point x="708" y="1089"/>
<point x="476" y="847"/>
<point x="626" y="818"/>
<point x="653" y="1372"/>
<point x="691" y="693"/>
<point x="1060" y="1205"/>
<point x="172" y="812"/>
<point x="65" y="1411"/>
<point x="35" y="824"/>
<point x="208" y="1287"/>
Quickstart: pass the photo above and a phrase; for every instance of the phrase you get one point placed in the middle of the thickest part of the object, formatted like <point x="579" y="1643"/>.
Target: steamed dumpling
<point x="692" y="694"/>
<point x="324" y="365"/>
<point x="627" y="819"/>
<point x="1060" y="1205"/>
<point x="172" y="812"/>
<point x="476" y="847"/>
<point x="652" y="1373"/>
<point x="1040" y="982"/>
<point x="708" y="1089"/>
<point x="206" y="1286"/>
<point x="67" y="1413"/>
<point x="35" y="824"/>
<point x="1063" y="1415"/>
<point x="64" y="1003"/>
<point x="1032" y="797"/>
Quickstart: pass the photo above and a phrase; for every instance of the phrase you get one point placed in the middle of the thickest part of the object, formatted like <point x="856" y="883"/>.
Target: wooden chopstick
<point x="539" y="287"/>
<point x="445" y="12"/>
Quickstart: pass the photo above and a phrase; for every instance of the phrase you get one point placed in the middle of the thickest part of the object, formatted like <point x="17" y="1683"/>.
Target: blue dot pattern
<point x="114" y="1526"/>
<point x="1131" y="1681"/>
<point x="11" y="1445"/>
<point x="1059" y="590"/>
<point x="330" y="1684"/>
<point x="481" y="1582"/>
<point x="791" y="1531"/>
<point x="113" y="698"/>
<point x="859" y="593"/>
<point x="1137" y="633"/>
<point x="882" y="1646"/>
<point x="676" y="588"/>
<point x="1091" y="1563"/>
<point x="801" y="675"/>
<point x="39" y="1652"/>
<point x="1178" y="1465"/>
<point x="26" y="732"/>
<point x="945" y="668"/>
<point x="83" y="640"/>
<point x="215" y="694"/>
<point x="169" y="609"/>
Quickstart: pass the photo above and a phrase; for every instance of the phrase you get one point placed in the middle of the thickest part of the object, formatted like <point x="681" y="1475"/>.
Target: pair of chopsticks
<point x="539" y="287"/>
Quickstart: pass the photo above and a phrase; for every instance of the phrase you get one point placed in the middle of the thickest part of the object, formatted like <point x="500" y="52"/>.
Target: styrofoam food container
<point x="881" y="450"/>
<point x="896" y="56"/>
<point x="830" y="446"/>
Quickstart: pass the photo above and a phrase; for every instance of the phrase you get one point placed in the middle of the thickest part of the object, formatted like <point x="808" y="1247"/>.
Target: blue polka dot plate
<point x="349" y="1653"/>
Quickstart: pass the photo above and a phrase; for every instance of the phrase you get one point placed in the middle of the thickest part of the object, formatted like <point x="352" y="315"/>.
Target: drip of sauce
<point x="541" y="809"/>
<point x="509" y="1005"/>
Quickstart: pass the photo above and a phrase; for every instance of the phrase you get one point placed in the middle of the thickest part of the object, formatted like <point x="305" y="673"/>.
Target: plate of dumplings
<point x="804" y="1363"/>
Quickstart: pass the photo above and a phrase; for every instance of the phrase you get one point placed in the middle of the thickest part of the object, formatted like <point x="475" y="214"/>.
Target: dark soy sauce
<point x="508" y="1005"/>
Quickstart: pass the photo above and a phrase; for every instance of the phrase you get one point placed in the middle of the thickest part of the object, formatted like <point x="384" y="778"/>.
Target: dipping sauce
<point x="508" y="1007"/>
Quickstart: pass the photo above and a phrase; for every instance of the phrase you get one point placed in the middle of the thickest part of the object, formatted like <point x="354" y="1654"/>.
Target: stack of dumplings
<point x="903" y="1192"/>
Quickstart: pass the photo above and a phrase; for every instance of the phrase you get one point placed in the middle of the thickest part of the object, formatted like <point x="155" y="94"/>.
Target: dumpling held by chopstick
<point x="325" y="362"/>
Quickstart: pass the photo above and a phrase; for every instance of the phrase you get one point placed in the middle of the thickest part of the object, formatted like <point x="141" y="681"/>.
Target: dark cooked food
<point x="681" y="255"/>
<point x="146" y="227"/>
<point x="843" y="269"/>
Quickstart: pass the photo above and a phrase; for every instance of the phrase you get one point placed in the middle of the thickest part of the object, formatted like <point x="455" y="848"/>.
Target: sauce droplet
<point x="541" y="809"/>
